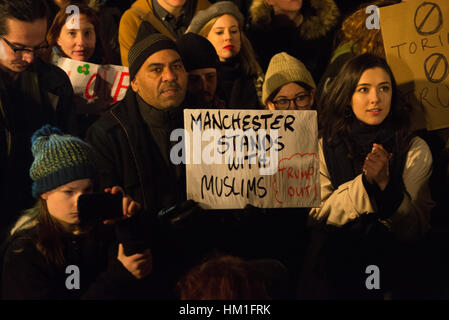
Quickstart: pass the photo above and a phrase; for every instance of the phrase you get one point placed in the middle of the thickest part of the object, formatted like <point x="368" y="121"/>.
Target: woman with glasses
<point x="288" y="84"/>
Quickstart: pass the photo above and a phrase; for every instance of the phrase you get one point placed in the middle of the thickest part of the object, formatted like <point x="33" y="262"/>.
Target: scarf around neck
<point x="345" y="156"/>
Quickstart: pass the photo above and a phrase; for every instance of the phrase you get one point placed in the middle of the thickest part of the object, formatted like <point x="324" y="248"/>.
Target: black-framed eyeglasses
<point x="24" y="49"/>
<point x="301" y="101"/>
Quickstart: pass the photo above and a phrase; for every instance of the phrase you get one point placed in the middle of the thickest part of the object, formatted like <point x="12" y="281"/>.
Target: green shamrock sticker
<point x="84" y="69"/>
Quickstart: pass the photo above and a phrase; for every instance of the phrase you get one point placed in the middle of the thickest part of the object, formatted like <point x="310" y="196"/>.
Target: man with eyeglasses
<point x="32" y="93"/>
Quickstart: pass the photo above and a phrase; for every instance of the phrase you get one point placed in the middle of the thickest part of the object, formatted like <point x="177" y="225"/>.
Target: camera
<point x="96" y="207"/>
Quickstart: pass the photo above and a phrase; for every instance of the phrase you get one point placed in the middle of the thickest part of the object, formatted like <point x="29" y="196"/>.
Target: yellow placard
<point x="416" y="41"/>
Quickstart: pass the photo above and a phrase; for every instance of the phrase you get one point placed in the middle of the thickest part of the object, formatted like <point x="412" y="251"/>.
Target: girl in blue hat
<point x="49" y="255"/>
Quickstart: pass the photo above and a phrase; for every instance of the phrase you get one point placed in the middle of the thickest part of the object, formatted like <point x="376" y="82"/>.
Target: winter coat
<point x="239" y="91"/>
<point x="127" y="155"/>
<point x="311" y="42"/>
<point x="351" y="200"/>
<point x="47" y="97"/>
<point x="142" y="10"/>
<point x="347" y="235"/>
<point x="26" y="274"/>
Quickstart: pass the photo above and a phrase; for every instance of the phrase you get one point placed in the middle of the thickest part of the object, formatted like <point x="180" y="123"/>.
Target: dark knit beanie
<point x="141" y="50"/>
<point x="216" y="10"/>
<point x="58" y="159"/>
<point x="197" y="52"/>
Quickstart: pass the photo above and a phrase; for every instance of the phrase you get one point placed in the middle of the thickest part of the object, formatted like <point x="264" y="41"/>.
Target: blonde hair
<point x="247" y="56"/>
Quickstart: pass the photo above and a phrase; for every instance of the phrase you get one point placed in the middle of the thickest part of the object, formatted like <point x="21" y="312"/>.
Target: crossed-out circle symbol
<point x="433" y="63"/>
<point x="428" y="18"/>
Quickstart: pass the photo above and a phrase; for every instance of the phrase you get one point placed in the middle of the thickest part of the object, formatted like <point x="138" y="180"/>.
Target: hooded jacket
<point x="311" y="42"/>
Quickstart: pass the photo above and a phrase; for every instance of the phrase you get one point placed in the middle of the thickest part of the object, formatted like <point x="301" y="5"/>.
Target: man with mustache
<point x="132" y="144"/>
<point x="32" y="93"/>
<point x="132" y="140"/>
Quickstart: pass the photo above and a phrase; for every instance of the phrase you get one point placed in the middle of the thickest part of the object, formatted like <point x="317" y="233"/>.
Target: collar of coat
<point x="314" y="26"/>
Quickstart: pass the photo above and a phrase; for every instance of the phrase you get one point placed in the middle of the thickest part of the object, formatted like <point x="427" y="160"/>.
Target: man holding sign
<point x="132" y="139"/>
<point x="132" y="148"/>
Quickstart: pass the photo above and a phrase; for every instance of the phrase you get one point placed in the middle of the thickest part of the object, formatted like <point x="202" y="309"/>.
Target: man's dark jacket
<point x="46" y="96"/>
<point x="126" y="155"/>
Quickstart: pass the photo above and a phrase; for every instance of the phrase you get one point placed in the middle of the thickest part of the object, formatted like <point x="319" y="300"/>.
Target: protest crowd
<point x="95" y="207"/>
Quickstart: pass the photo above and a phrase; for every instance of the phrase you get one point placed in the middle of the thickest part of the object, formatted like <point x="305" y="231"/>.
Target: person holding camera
<point x="49" y="253"/>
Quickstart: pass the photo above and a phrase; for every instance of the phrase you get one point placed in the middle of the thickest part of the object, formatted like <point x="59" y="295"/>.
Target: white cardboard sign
<point x="265" y="158"/>
<point x="88" y="79"/>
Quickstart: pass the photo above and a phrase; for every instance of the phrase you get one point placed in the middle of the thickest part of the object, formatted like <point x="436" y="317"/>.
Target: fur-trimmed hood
<point x="315" y="25"/>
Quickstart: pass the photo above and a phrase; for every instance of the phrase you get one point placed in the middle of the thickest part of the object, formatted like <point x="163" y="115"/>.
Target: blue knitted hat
<point x="58" y="159"/>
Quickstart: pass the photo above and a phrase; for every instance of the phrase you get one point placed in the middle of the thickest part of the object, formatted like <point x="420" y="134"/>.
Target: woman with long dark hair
<point x="368" y="153"/>
<point x="374" y="175"/>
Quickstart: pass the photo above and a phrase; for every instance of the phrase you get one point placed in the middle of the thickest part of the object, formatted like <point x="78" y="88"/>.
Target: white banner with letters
<point x="265" y="158"/>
